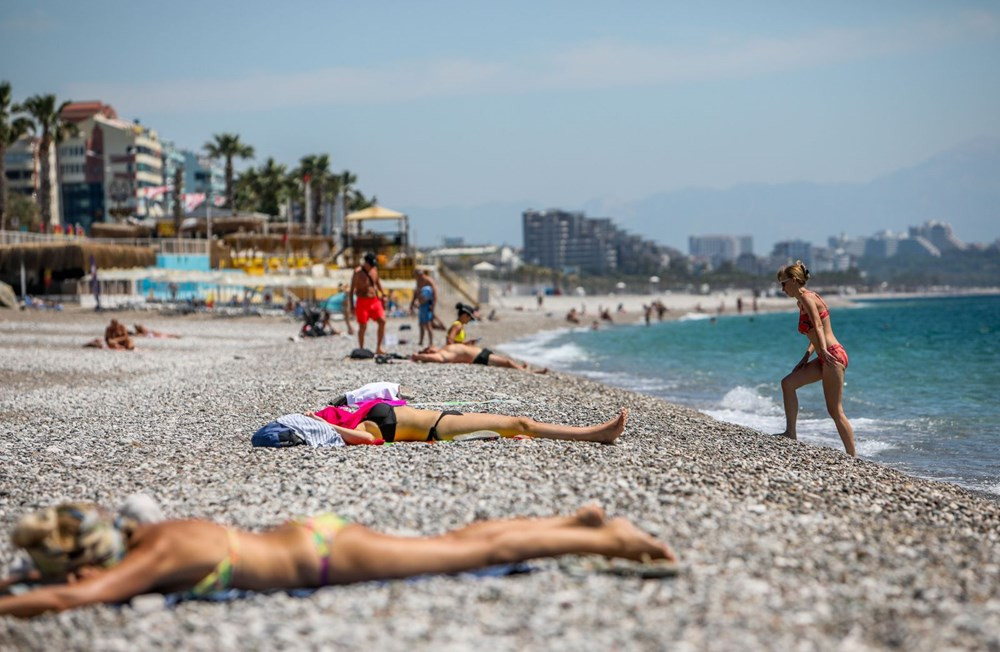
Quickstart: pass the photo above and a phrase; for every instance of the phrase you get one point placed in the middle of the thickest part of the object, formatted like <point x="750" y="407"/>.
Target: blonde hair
<point x="796" y="271"/>
<point x="63" y="538"/>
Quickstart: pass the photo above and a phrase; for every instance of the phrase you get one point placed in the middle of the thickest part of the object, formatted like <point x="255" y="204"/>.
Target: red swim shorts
<point x="838" y="352"/>
<point x="366" y="308"/>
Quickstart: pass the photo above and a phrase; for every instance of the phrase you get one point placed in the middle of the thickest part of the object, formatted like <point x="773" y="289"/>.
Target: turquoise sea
<point x="922" y="389"/>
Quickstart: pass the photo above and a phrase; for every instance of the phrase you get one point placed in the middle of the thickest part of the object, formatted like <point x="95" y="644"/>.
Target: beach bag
<point x="361" y="354"/>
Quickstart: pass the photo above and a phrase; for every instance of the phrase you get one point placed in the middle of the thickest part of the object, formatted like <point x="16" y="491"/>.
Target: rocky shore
<point x="784" y="546"/>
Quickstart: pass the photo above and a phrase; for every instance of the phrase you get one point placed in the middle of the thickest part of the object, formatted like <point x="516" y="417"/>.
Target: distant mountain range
<point x="960" y="186"/>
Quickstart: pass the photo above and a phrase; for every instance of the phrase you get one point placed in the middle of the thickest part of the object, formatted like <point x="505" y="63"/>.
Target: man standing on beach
<point x="366" y="286"/>
<point x="425" y="297"/>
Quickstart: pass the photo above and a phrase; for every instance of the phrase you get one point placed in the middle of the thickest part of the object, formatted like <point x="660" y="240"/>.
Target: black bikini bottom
<point x="432" y="434"/>
<point x="384" y="416"/>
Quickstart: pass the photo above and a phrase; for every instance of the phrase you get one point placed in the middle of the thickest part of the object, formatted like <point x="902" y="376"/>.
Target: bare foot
<point x="608" y="432"/>
<point x="637" y="545"/>
<point x="786" y="435"/>
<point x="379" y="351"/>
<point x="543" y="370"/>
<point x="590" y="516"/>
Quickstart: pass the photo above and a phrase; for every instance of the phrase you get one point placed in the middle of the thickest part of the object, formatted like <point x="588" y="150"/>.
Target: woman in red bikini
<point x="104" y="561"/>
<point x="831" y="358"/>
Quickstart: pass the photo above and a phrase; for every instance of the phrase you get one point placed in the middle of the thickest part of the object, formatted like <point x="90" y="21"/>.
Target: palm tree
<point x="271" y="186"/>
<point x="10" y="131"/>
<point x="247" y="191"/>
<point x="228" y="146"/>
<point x="317" y="166"/>
<point x="54" y="130"/>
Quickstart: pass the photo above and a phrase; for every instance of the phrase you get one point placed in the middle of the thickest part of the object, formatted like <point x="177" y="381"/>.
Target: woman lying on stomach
<point x="102" y="563"/>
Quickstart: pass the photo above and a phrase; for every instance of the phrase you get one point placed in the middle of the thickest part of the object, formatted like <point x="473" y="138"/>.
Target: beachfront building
<point x="792" y="250"/>
<point x="939" y="234"/>
<point x="107" y="168"/>
<point x="203" y="175"/>
<point x="717" y="249"/>
<point x="571" y="241"/>
<point x="24" y="171"/>
<point x="464" y="256"/>
<point x="568" y="241"/>
<point x="916" y="246"/>
<point x="173" y="159"/>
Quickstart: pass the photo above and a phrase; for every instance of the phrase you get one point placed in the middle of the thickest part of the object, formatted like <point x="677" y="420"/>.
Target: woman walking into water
<point x="831" y="358"/>
<point x="102" y="561"/>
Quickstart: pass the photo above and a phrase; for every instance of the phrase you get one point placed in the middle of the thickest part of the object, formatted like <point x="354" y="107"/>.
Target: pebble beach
<point x="783" y="546"/>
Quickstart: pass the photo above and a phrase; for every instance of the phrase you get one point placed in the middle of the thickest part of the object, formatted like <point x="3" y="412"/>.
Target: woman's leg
<point x="586" y="516"/>
<point x="606" y="432"/>
<point x="833" y="390"/>
<point x="359" y="554"/>
<point x="810" y="373"/>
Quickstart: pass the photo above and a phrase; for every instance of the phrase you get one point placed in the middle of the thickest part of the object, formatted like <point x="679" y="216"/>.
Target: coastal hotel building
<point x="570" y="241"/>
<point x="112" y="168"/>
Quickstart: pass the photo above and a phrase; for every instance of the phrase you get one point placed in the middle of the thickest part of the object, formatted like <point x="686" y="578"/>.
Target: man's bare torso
<point x="364" y="284"/>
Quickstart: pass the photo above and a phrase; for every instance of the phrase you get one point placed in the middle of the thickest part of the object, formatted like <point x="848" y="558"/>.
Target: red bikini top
<point x="805" y="324"/>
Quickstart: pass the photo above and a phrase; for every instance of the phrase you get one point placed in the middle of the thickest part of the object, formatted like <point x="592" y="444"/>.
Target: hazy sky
<point x="443" y="103"/>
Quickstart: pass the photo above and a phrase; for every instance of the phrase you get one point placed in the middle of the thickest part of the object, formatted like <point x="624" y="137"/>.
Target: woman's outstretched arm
<point x="137" y="573"/>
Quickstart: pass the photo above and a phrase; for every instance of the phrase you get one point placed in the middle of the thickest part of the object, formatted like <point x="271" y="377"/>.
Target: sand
<point x="784" y="545"/>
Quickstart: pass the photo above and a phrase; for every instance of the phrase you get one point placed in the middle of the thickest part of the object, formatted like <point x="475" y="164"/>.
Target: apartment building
<point x="24" y="172"/>
<point x="105" y="169"/>
<point x="571" y="241"/>
<point x="717" y="249"/>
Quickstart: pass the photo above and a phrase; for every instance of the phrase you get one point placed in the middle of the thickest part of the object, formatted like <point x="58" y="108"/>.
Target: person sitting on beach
<point x="142" y="331"/>
<point x="377" y="421"/>
<point x="365" y="284"/>
<point x="100" y="561"/>
<point x="572" y="316"/>
<point x="456" y="334"/>
<point x="469" y="354"/>
<point x="115" y="337"/>
<point x="831" y="358"/>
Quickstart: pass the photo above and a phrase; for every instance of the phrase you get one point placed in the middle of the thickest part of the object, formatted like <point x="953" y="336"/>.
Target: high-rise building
<point x="105" y="169"/>
<point x="938" y="234"/>
<point x="717" y="249"/>
<point x="792" y="250"/>
<point x="24" y="172"/>
<point x="571" y="241"/>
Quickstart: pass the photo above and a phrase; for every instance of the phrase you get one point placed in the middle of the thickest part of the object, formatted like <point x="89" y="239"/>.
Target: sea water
<point x="922" y="388"/>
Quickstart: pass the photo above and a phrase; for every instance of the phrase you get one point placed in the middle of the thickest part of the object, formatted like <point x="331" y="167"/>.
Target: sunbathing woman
<point x="831" y="358"/>
<point x="378" y="421"/>
<point x="470" y="354"/>
<point x="103" y="563"/>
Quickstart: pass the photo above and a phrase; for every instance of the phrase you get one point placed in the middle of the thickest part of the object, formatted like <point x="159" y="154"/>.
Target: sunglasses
<point x="787" y="280"/>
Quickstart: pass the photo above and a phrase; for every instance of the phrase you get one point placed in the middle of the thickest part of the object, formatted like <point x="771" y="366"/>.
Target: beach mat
<point x="500" y="570"/>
